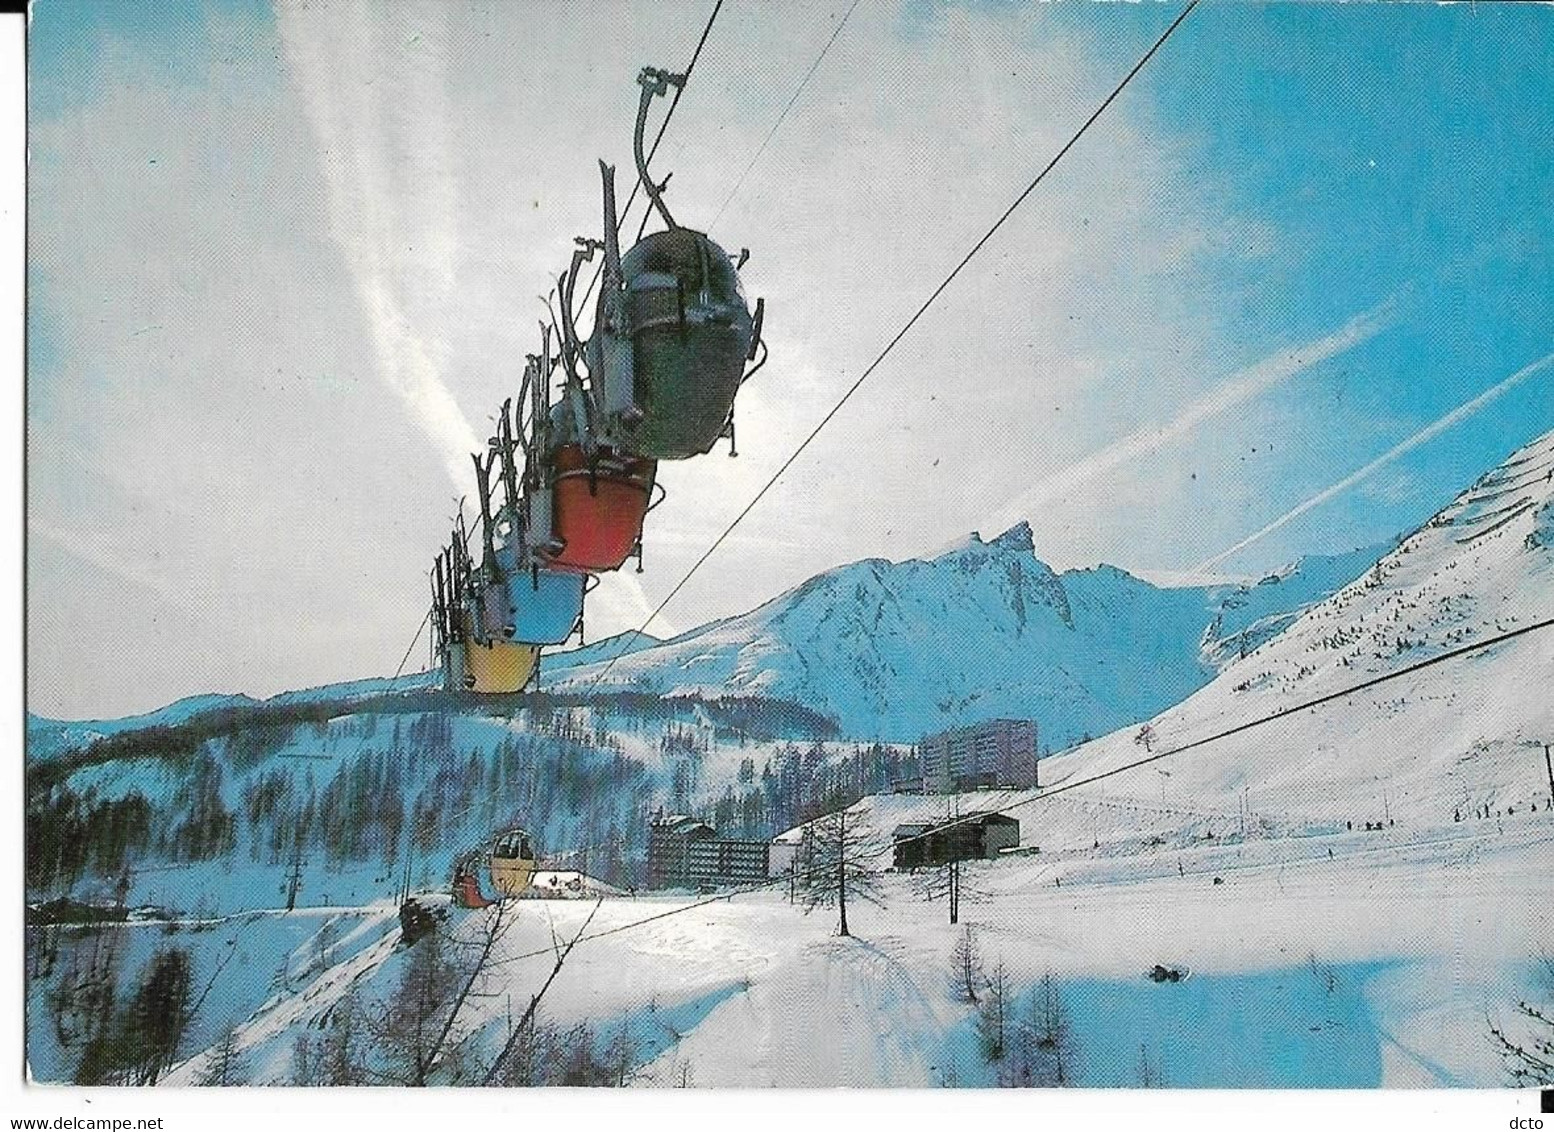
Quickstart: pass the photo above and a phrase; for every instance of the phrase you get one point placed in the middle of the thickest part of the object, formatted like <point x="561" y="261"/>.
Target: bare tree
<point x="1529" y="1056"/>
<point x="414" y="1034"/>
<point x="837" y="869"/>
<point x="225" y="1065"/>
<point x="498" y="921"/>
<point x="526" y="1055"/>
<point x="545" y="1055"/>
<point x="408" y="1033"/>
<point x="304" y="1062"/>
<point x="993" y="1014"/>
<point x="1049" y="1021"/>
<point x="966" y="977"/>
<point x="339" y="1054"/>
<point x="1022" y="1062"/>
<point x="621" y="1054"/>
<point x="1039" y="1052"/>
<point x="940" y="880"/>
<point x="952" y="882"/>
<point x="324" y="942"/>
<point x="524" y="1031"/>
<point x="578" y="1058"/>
<point x="1150" y="1076"/>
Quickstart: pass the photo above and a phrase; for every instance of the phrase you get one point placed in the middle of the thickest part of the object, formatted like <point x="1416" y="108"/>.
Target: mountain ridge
<point x="896" y="649"/>
<point x="1441" y="744"/>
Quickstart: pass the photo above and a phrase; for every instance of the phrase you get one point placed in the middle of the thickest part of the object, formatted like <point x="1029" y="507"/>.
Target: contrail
<point x="1435" y="428"/>
<point x="1241" y="387"/>
<point x="626" y="602"/>
<point x="348" y="118"/>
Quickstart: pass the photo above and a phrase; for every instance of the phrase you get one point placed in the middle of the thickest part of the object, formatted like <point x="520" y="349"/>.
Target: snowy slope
<point x="48" y="737"/>
<point x="622" y="644"/>
<point x="584" y="781"/>
<point x="1320" y="954"/>
<point x="895" y="650"/>
<point x="1454" y="738"/>
<point x="1297" y="981"/>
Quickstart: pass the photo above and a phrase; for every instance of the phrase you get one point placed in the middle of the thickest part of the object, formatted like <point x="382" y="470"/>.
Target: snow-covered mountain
<point x="1453" y="739"/>
<point x="1346" y="915"/>
<point x="48" y="737"/>
<point x="895" y="650"/>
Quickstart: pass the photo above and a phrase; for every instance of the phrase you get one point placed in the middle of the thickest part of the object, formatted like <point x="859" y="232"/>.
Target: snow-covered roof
<point x="570" y="880"/>
<point x="683" y="825"/>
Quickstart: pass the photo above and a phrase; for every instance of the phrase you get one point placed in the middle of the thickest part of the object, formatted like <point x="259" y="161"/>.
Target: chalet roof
<point x="919" y="828"/>
<point x="994" y="819"/>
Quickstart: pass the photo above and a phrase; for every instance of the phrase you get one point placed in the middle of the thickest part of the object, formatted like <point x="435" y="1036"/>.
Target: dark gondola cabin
<point x="689" y="330"/>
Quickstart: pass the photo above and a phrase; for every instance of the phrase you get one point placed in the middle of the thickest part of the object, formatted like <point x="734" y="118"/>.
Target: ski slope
<point x="1454" y="738"/>
<point x="1358" y="889"/>
<point x="1374" y="967"/>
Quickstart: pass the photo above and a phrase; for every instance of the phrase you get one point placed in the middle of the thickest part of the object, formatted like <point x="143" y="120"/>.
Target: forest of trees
<point x="796" y="786"/>
<point x="119" y="1026"/>
<point x="124" y="1039"/>
<point x="1526" y="1043"/>
<point x="419" y="1032"/>
<point x="404" y="782"/>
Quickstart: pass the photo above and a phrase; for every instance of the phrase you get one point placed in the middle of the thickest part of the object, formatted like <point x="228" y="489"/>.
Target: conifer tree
<point x="836" y="871"/>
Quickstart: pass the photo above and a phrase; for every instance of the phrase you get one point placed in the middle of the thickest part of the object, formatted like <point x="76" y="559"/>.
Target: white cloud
<point x="279" y="340"/>
<point x="373" y="141"/>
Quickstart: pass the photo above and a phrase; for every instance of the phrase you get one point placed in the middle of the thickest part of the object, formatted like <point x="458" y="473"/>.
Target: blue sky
<point x="69" y="39"/>
<point x="1427" y="166"/>
<point x="281" y="263"/>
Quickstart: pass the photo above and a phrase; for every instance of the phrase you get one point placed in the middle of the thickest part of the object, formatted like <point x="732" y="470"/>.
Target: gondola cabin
<point x="546" y="605"/>
<point x="467" y="891"/>
<point x="498" y="667"/>
<point x="689" y="330"/>
<point x="512" y="862"/>
<point x="598" y="509"/>
<point x="540" y="606"/>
